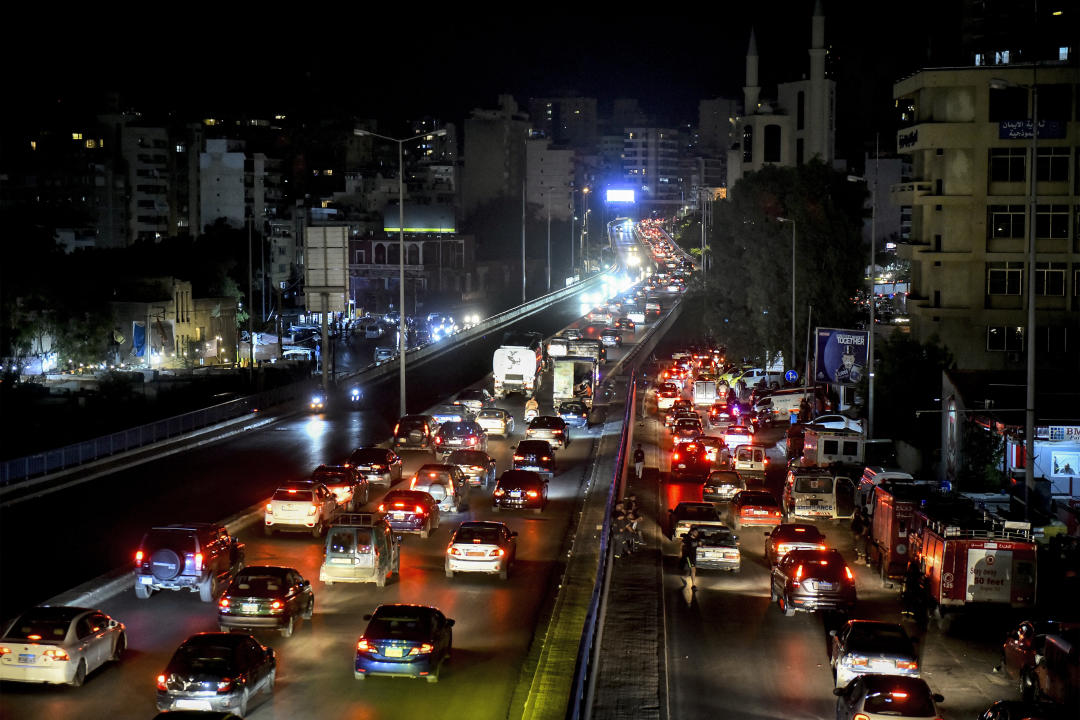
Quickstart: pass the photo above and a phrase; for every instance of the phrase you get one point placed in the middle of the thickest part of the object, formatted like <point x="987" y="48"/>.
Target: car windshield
<point x="410" y="424"/>
<point x="30" y="627"/>
<point x="331" y="477"/>
<point x="456" y="428"/>
<point x="261" y="583"/>
<point x="204" y="659"/>
<point x="757" y="498"/>
<point x="491" y="414"/>
<point x="468" y="457"/>
<point x="399" y="623"/>
<point x="698" y="512"/>
<point x="428" y="477"/>
<point x="532" y="447"/>
<point x="477" y="535"/>
<point x="284" y="495"/>
<point x="576" y="408"/>
<point x="405" y="497"/>
<point x="798" y="533"/>
<point x="366" y="456"/>
<point x="813" y="485"/>
<point x="888" y="639"/>
<point x="716" y="536"/>
<point x="546" y="422"/>
<point x="908" y="702"/>
<point x="346" y="540"/>
<point x="725" y="478"/>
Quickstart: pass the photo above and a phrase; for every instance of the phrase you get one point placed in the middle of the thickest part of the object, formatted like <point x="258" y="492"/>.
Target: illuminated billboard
<point x="616" y="195"/>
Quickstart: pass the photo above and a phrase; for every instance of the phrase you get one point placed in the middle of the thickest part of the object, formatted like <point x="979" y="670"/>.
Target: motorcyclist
<point x="532" y="407"/>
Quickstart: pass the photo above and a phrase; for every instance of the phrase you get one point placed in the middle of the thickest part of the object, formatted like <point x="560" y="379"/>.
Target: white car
<point x="481" y="547"/>
<point x="838" y="422"/>
<point x="496" y="421"/>
<point x="59" y="645"/>
<point x="300" y="506"/>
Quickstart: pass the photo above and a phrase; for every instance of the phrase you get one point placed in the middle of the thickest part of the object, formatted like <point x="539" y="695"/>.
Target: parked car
<point x="410" y="511"/>
<point x="404" y="640"/>
<point x="791" y="536"/>
<point x="535" y="455"/>
<point x="496" y="421"/>
<point x="198" y="557"/>
<point x="216" y="672"/>
<point x="377" y="464"/>
<point x="56" y="644"/>
<point x="478" y="467"/>
<point x="520" y="489"/>
<point x="883" y="697"/>
<point x="266" y="596"/>
<point x="482" y="547"/>
<point x="867" y="646"/>
<point x="810" y="580"/>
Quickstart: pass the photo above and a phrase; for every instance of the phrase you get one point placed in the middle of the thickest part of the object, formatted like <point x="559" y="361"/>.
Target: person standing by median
<point x="639" y="461"/>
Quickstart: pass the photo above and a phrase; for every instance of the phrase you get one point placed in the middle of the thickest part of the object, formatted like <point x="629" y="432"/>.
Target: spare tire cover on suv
<point x="165" y="564"/>
<point x="416" y="436"/>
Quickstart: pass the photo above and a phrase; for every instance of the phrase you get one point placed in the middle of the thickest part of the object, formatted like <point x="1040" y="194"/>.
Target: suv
<point x="377" y="464"/>
<point x="464" y="435"/>
<point x="811" y="580"/>
<point x="360" y="547"/>
<point x="535" y="455"/>
<point x="415" y="432"/>
<point x="300" y="506"/>
<point x="199" y="557"/>
<point x="351" y="489"/>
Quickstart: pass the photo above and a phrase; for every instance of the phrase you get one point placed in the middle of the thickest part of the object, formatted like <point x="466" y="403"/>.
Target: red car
<point x="1021" y="647"/>
<point x="754" y="507"/>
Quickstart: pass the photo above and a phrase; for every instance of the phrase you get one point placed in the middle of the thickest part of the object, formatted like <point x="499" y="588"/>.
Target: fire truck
<point x="893" y="511"/>
<point x="972" y="559"/>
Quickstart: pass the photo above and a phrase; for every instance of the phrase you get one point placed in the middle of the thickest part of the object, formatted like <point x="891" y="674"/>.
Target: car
<point x="478" y="467"/>
<point x="266" y="596"/>
<point x="303" y="506"/>
<point x="198" y="557"/>
<point x="351" y="489"/>
<point x="571" y="334"/>
<point x="625" y="323"/>
<point x="59" y="645"/>
<point x="383" y="353"/>
<point x="1021" y="710"/>
<point x="689" y="462"/>
<point x="685" y="514"/>
<point x="551" y="428"/>
<point x="666" y="395"/>
<point x="444" y="482"/>
<point x="1057" y="669"/>
<point x="750" y="460"/>
<point x="535" y="455"/>
<point x="736" y="435"/>
<point x="404" y="640"/>
<point x="884" y="697"/>
<point x="481" y="547"/>
<point x="721" y="486"/>
<point x="809" y="580"/>
<point x="1022" y="648"/>
<point x="216" y="671"/>
<point x="410" y="511"/>
<point x="611" y="337"/>
<point x="496" y="421"/>
<point x="377" y="464"/>
<point x="677" y="414"/>
<point x="458" y="435"/>
<point x="717" y="548"/>
<point x="786" y="537"/>
<point x="686" y="429"/>
<point x="317" y="402"/>
<point x="720" y="415"/>
<point x="360" y="547"/>
<point x="754" y="507"/>
<point x="838" y="422"/>
<point x="574" y="413"/>
<point x="416" y="432"/>
<point x="475" y="399"/>
<point x="868" y="646"/>
<point x="520" y="489"/>
<point x="450" y="413"/>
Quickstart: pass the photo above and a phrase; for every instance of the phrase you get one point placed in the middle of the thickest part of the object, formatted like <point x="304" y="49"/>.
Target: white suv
<point x="300" y="506"/>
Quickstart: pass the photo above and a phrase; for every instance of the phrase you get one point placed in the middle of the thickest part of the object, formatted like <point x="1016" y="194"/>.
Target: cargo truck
<point x="515" y="366"/>
<point x="574" y="378"/>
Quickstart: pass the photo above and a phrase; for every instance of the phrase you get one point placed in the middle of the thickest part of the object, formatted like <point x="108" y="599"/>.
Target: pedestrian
<point x="633" y="531"/>
<point x="688" y="556"/>
<point x="912" y="596"/>
<point x="867" y="535"/>
<point x="804" y="411"/>
<point x="856" y="534"/>
<point x="639" y="461"/>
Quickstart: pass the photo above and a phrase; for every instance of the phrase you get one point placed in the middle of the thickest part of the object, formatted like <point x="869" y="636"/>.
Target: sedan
<point x="611" y="337"/>
<point x="883" y="697"/>
<point x="216" y="672"/>
<point x="866" y="646"/>
<point x="475" y="399"/>
<point x="377" y="464"/>
<point x="625" y="323"/>
<point x="810" y="580"/>
<point x="791" y="536"/>
<point x="838" y="422"/>
<point x="717" y="549"/>
<point x="686" y="428"/>
<point x="736" y="435"/>
<point x="496" y="421"/>
<point x="350" y="488"/>
<point x="520" y="489"/>
<point x="714" y="447"/>
<point x="478" y="467"/>
<point x="574" y="413"/>
<point x="535" y="455"/>
<point x="59" y="645"/>
<point x="754" y="507"/>
<point x="450" y="413"/>
<point x="551" y="428"/>
<point x="463" y="435"/>
<point x="482" y="547"/>
<point x="266" y="596"/>
<point x="410" y="511"/>
<point x="722" y="485"/>
<point x="404" y="640"/>
<point x="687" y="514"/>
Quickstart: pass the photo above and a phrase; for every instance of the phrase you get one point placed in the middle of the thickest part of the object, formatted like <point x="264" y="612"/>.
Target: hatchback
<point x="550" y="428"/>
<point x="791" y="536"/>
<point x="478" y="467"/>
<point x="574" y="413"/>
<point x="811" y="580"/>
<point x="754" y="507"/>
<point x="216" y="672"/>
<point x="59" y="644"/>
<point x="264" y="596"/>
<point x="866" y="646"/>
<point x="721" y="486"/>
<point x="535" y="455"/>
<point x="377" y="464"/>
<point x="496" y="421"/>
<point x="481" y="547"/>
<point x="404" y="640"/>
<point x="520" y="489"/>
<point x="410" y="511"/>
<point x="883" y="697"/>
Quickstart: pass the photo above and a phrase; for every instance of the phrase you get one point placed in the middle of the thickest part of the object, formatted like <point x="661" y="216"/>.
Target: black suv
<point x="199" y="557"/>
<point x="415" y="432"/>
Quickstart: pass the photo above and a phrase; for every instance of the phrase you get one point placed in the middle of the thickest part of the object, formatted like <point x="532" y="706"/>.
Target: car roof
<point x="792" y="529"/>
<point x="298" y="485"/>
<point x="532" y="442"/>
<point x="808" y="554"/>
<point x="894" y="682"/>
<point x="482" y="524"/>
<point x="217" y="638"/>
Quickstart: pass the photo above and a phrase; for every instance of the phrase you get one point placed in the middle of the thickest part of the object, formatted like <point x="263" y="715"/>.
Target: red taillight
<point x="425" y="648"/>
<point x="847" y="571"/>
<point x="776" y="513"/>
<point x="519" y="457"/>
<point x="472" y="440"/>
<point x="138" y="558"/>
<point x="56" y="655"/>
<point x="276" y="605"/>
<point x="798" y="573"/>
<point x="4" y="651"/>
<point x="532" y="493"/>
<point x="674" y="456"/>
<point x="161" y="683"/>
<point x="907" y="665"/>
<point x="224" y="602"/>
<point x="412" y="484"/>
<point x="499" y="492"/>
<point x="438" y="439"/>
<point x="198" y="562"/>
<point x="418" y="510"/>
<point x="382" y="508"/>
<point x="363" y="645"/>
<point x="861" y="716"/>
<point x="269" y="508"/>
<point x="400" y="504"/>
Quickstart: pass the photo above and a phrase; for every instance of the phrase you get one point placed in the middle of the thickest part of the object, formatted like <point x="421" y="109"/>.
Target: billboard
<point x="620" y="195"/>
<point x="326" y="268"/>
<point x="841" y="356"/>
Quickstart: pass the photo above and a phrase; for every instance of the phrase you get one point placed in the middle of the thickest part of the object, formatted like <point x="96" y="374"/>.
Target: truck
<point x="515" y="366"/>
<point x="584" y="347"/>
<point x="569" y="375"/>
<point x="823" y="447"/>
<point x="892" y="511"/>
<point x="704" y="392"/>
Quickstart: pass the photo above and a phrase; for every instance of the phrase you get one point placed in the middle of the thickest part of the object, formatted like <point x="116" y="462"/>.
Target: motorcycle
<point x="531" y="414"/>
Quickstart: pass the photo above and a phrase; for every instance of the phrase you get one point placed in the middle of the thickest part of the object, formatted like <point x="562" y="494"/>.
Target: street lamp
<point x="792" y="221"/>
<point x="1029" y="331"/>
<point x="585" y="228"/>
<point x="401" y="244"/>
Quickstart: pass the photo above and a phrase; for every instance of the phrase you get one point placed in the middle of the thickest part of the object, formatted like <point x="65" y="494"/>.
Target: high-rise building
<point x="494" y="154"/>
<point x="566" y="121"/>
<point x="651" y="162"/>
<point x="550" y="172"/>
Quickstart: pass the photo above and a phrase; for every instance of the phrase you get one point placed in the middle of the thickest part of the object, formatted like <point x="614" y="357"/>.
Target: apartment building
<point x="652" y="163"/>
<point x="969" y="140"/>
<point x="549" y="178"/>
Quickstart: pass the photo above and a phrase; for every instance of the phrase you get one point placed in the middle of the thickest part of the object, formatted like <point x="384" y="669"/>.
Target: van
<point x="780" y="404"/>
<point x="360" y="547"/>
<point x="871" y="478"/>
<point x="818" y="493"/>
<point x="823" y="447"/>
<point x="750" y="461"/>
<point x="1057" y="670"/>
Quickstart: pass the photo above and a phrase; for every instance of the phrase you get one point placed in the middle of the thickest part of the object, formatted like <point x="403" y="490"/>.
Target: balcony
<point x="906" y="192"/>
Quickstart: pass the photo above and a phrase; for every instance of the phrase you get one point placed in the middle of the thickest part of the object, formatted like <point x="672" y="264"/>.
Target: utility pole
<point x="523" y="242"/>
<point x="251" y="303"/>
<point x="547" y="201"/>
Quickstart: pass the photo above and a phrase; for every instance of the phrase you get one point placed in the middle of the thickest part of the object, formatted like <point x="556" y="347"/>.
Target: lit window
<point x="76" y="136"/>
<point x="33" y="144"/>
<point x="1063" y="53"/>
<point x="1004" y="338"/>
<point x="91" y="144"/>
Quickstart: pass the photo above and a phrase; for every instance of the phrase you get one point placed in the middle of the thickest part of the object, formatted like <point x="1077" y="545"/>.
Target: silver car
<point x="496" y="421"/>
<point x="59" y="645"/>
<point x="866" y="646"/>
<point x="551" y="428"/>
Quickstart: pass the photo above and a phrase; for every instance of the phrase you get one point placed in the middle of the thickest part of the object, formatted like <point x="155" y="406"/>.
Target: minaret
<point x="817" y="115"/>
<point x="751" y="91"/>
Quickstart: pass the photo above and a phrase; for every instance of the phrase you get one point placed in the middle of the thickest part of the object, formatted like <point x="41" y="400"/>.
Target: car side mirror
<point x="450" y="622"/>
<point x="838" y="692"/>
<point x="938" y="697"/>
<point x="113" y="623"/>
<point x="398" y="538"/>
<point x="767" y="534"/>
<point x="368" y="616"/>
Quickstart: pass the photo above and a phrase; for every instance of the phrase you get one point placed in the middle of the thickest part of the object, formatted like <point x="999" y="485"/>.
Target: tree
<point x="908" y="379"/>
<point x="983" y="453"/>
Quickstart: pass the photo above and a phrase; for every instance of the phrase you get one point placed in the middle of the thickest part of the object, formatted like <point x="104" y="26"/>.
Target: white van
<point x="751" y="461"/>
<point x="817" y="493"/>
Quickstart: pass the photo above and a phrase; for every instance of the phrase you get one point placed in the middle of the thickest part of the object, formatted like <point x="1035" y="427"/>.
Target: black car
<point x="811" y="580"/>
<point x="266" y="596"/>
<point x="478" y="467"/>
<point x="574" y="413"/>
<point x="404" y="640"/>
<point x="535" y="455"/>
<point x="350" y="488"/>
<point x="198" y="557"/>
<point x="415" y="432"/>
<point x="216" y="672"/>
<point x="690" y="461"/>
<point x="519" y="489"/>
<point x="377" y="464"/>
<point x="410" y="511"/>
<point x="464" y="435"/>
<point x="722" y="485"/>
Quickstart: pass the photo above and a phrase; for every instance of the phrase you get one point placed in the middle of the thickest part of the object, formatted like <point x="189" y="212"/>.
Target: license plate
<point x="399" y="516"/>
<point x="373" y="476"/>
<point x="761" y="512"/>
<point x="26" y="658"/>
<point x="515" y="493"/>
<point x="193" y="704"/>
<point x="249" y="608"/>
<point x="824" y="586"/>
<point x="530" y="458"/>
<point x="146" y="579"/>
<point x="394" y="652"/>
<point x="478" y="553"/>
<point x="288" y="507"/>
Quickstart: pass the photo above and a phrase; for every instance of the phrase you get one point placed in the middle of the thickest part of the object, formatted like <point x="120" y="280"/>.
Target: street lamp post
<point x="1029" y="331"/>
<point x="585" y="229"/>
<point x="873" y="292"/>
<point x="791" y="363"/>
<point x="401" y="246"/>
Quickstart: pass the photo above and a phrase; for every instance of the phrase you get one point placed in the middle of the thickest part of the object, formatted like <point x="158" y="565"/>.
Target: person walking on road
<point x="856" y="535"/>
<point x="639" y="461"/>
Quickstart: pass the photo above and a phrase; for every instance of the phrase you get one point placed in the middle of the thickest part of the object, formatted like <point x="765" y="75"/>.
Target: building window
<point x="1006" y="221"/>
<point x="800" y="111"/>
<point x="1003" y="338"/>
<point x="748" y="143"/>
<point x="1007" y="164"/>
<point x="772" y="143"/>
<point x="1050" y="279"/>
<point x="1052" y="221"/>
<point x="1004" y="278"/>
<point x="1053" y="165"/>
<point x="1052" y="339"/>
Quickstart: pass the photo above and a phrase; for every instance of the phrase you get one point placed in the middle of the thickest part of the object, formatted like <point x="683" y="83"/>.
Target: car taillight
<point x="313" y="509"/>
<point x="497" y="552"/>
<point x="412" y="482"/>
<point x="557" y="432"/>
<point x="418" y="510"/>
<point x="363" y="645"/>
<point x="424" y="649"/>
<point x="269" y="508"/>
<point x="382" y="508"/>
<point x="899" y="695"/>
<point x="161" y="683"/>
<point x="4" y="651"/>
<point x="276" y="605"/>
<point x="857" y="661"/>
<point x="798" y="573"/>
<point x="452" y="550"/>
<point x="198" y="562"/>
<point x="519" y="457"/>
<point x="907" y="665"/>
<point x="532" y="493"/>
<point x="674" y="456"/>
<point x="138" y="558"/>
<point x="56" y="655"/>
<point x="499" y="492"/>
<point x="224" y="602"/>
<point x="861" y="716"/>
<point x="472" y="440"/>
<point x="822" y="546"/>
<point x="545" y="458"/>
<point x="782" y="549"/>
<point x="438" y="439"/>
<point x="224" y="685"/>
<point x="850" y="575"/>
